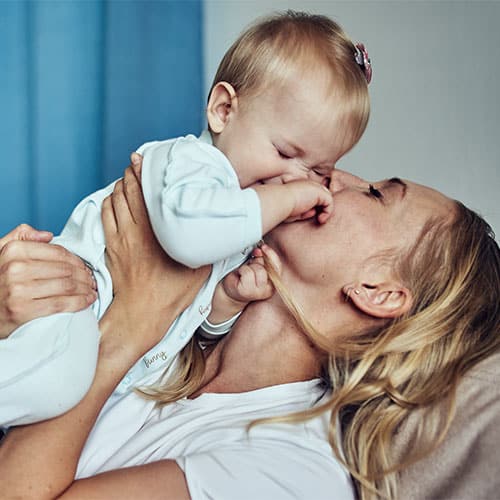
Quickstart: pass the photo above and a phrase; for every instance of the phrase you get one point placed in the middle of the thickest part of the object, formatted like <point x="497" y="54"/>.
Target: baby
<point x="288" y="100"/>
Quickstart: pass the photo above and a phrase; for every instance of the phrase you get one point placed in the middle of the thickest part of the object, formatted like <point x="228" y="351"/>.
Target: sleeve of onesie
<point x="280" y="472"/>
<point x="198" y="211"/>
<point x="46" y="366"/>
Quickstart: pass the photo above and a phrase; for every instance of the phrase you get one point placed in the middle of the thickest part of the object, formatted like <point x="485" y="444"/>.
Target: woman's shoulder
<point x="450" y="471"/>
<point x="485" y="373"/>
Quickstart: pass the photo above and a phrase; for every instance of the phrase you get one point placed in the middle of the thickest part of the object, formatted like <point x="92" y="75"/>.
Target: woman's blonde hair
<point x="290" y="44"/>
<point x="413" y="362"/>
<point x="417" y="361"/>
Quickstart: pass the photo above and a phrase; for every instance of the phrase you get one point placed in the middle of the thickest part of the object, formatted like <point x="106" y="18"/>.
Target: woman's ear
<point x="222" y="102"/>
<point x="381" y="300"/>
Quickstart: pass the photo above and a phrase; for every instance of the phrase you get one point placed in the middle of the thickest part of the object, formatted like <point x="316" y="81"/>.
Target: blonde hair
<point x="270" y="51"/>
<point x="417" y="361"/>
<point x="413" y="362"/>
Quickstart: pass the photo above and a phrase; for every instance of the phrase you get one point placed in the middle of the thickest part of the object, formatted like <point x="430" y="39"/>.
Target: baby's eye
<point x="375" y="192"/>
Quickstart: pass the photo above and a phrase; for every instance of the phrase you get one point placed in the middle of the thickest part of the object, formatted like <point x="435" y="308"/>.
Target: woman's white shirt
<point x="209" y="439"/>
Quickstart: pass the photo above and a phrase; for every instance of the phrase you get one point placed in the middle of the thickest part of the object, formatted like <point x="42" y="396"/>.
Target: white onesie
<point x="200" y="216"/>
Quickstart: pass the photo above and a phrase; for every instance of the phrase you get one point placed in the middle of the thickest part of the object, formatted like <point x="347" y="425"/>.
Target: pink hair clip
<point x="361" y="57"/>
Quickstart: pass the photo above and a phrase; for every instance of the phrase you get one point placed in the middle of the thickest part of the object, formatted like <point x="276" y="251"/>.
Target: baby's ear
<point x="380" y="300"/>
<point x="222" y="102"/>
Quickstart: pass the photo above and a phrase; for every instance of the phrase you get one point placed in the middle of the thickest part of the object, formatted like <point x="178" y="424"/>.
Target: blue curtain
<point x="83" y="83"/>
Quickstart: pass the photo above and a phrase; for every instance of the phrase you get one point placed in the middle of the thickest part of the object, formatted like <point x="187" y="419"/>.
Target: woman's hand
<point x="24" y="232"/>
<point x="150" y="288"/>
<point x="37" y="279"/>
<point x="39" y="460"/>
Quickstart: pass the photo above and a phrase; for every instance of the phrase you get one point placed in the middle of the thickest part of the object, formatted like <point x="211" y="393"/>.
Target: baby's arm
<point x="193" y="198"/>
<point x="250" y="282"/>
<point x="198" y="211"/>
<point x="295" y="200"/>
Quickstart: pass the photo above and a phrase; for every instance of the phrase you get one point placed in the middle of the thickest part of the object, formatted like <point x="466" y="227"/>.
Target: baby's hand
<point x="311" y="199"/>
<point x="250" y="281"/>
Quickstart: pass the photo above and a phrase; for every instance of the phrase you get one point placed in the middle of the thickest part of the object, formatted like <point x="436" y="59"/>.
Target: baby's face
<point x="285" y="133"/>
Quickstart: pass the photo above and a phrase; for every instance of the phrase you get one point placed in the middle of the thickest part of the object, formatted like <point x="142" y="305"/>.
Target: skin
<point x="38" y="461"/>
<point x="248" y="283"/>
<point x="361" y="227"/>
<point x="291" y="129"/>
<point x="37" y="279"/>
<point x="292" y="142"/>
<point x="265" y="347"/>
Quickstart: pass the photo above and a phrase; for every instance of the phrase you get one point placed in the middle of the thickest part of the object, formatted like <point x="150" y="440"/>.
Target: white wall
<point x="435" y="101"/>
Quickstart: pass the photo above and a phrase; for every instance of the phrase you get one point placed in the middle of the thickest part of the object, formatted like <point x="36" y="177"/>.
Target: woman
<point x="398" y="290"/>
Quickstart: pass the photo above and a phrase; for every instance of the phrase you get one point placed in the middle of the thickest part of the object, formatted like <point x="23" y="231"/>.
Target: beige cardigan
<point x="467" y="465"/>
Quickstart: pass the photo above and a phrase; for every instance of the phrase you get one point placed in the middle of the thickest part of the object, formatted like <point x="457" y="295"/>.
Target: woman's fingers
<point x="31" y="250"/>
<point x="123" y="215"/>
<point x="70" y="303"/>
<point x="136" y="160"/>
<point x="15" y="312"/>
<point x="33" y="270"/>
<point x="108" y="219"/>
<point x="116" y="213"/>
<point x="134" y="196"/>
<point x="45" y="288"/>
<point x="51" y="278"/>
<point x="25" y="232"/>
<point x="128" y="201"/>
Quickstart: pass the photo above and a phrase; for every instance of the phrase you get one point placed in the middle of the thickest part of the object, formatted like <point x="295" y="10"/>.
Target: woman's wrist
<point x="134" y="323"/>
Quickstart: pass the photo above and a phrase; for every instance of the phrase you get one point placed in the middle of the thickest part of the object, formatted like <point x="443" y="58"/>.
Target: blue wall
<point x="83" y="83"/>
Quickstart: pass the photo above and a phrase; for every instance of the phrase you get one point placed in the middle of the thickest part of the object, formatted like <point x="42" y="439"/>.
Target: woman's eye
<point x="375" y="192"/>
<point x="283" y="155"/>
<point x="322" y="176"/>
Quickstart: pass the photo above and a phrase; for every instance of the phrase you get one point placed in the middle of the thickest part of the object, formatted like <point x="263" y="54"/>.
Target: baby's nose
<point x="342" y="179"/>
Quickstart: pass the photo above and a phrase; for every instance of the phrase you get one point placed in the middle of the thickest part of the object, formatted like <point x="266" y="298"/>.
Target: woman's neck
<point x="265" y="348"/>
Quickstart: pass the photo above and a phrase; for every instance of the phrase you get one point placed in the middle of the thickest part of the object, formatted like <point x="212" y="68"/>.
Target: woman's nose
<point x="342" y="180"/>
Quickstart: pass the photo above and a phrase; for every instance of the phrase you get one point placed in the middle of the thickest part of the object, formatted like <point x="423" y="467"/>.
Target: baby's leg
<point x="47" y="366"/>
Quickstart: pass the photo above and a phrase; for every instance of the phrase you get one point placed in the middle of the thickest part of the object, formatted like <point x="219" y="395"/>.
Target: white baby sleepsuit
<point x="199" y="214"/>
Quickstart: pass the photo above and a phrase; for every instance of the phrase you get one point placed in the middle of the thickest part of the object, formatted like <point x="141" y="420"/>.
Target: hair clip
<point x="361" y="57"/>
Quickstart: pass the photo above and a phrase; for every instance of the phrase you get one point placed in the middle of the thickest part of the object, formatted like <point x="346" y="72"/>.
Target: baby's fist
<point x="251" y="281"/>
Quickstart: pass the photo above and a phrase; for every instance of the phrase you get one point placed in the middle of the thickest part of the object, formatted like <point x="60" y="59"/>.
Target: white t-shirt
<point x="209" y="440"/>
<point x="200" y="216"/>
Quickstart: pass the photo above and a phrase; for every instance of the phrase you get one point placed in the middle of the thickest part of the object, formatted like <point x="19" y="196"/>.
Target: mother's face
<point x="367" y="222"/>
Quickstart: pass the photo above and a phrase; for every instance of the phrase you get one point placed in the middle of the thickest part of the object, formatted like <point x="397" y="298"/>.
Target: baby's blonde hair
<point x="286" y="45"/>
